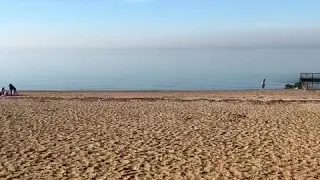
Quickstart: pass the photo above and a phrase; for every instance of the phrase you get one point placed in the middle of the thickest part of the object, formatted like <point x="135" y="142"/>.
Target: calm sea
<point x="99" y="69"/>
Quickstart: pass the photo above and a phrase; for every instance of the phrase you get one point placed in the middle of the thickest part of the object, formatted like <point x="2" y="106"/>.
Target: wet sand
<point x="161" y="135"/>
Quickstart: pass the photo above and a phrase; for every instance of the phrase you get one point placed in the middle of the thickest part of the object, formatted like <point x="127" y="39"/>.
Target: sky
<point x="158" y="23"/>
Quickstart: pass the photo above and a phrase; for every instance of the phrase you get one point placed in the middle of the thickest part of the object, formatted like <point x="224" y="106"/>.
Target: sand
<point x="161" y="135"/>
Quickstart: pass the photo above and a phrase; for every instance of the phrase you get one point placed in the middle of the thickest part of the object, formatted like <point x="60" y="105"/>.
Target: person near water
<point x="13" y="90"/>
<point x="263" y="84"/>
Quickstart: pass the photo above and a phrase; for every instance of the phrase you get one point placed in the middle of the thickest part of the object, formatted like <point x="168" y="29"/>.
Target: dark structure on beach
<point x="310" y="81"/>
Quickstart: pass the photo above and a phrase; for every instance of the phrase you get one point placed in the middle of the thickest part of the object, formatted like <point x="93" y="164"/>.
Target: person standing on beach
<point x="263" y="84"/>
<point x="13" y="90"/>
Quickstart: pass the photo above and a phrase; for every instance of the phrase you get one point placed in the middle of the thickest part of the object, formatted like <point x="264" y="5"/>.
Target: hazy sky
<point x="159" y="23"/>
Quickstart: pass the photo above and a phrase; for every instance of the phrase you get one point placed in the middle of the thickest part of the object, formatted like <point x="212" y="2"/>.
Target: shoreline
<point x="161" y="91"/>
<point x="237" y="96"/>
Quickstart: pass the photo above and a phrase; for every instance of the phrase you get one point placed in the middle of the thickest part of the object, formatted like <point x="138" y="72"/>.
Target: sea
<point x="155" y="69"/>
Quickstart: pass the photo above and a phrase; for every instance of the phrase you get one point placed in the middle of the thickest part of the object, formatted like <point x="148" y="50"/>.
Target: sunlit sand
<point x="161" y="135"/>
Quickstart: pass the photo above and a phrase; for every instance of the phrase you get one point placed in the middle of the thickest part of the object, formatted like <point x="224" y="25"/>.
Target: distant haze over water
<point x="147" y="69"/>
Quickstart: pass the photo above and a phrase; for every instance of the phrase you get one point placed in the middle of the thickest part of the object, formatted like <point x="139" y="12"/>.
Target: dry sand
<point x="161" y="135"/>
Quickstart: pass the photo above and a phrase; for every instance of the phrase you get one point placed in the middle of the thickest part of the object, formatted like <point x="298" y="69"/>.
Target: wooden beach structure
<point x="310" y="81"/>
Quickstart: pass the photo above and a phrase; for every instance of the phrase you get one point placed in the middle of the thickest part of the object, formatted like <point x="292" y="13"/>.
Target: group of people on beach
<point x="11" y="92"/>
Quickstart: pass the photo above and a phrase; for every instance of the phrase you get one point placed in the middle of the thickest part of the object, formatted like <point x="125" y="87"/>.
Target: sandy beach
<point x="161" y="135"/>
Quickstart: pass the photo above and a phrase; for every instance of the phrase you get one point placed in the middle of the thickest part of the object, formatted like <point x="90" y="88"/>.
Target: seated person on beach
<point x="13" y="90"/>
<point x="6" y="93"/>
<point x="2" y="91"/>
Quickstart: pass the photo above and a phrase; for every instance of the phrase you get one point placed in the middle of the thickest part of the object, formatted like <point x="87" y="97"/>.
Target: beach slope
<point x="161" y="135"/>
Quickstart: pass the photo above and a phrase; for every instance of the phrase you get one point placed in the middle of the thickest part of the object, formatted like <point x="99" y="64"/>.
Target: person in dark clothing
<point x="13" y="90"/>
